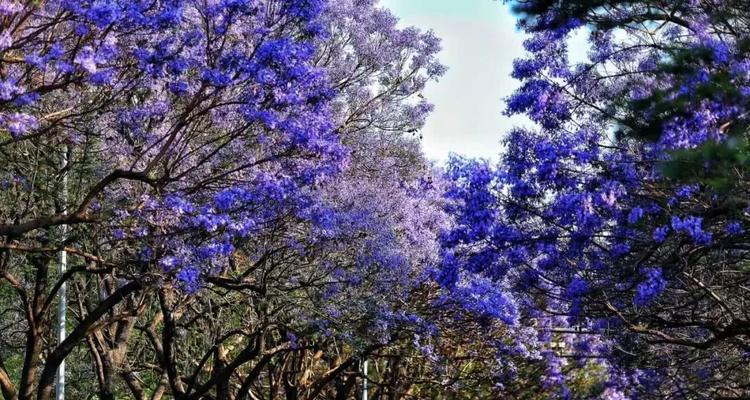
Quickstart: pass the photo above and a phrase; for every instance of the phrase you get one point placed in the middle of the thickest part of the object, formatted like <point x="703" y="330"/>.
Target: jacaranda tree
<point x="180" y="127"/>
<point x="621" y="217"/>
<point x="238" y="188"/>
<point x="335" y="290"/>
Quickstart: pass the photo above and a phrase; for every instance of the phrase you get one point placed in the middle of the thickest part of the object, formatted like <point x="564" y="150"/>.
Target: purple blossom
<point x="6" y="40"/>
<point x="660" y="234"/>
<point x="693" y="226"/>
<point x="8" y="89"/>
<point x="179" y="204"/>
<point x="169" y="263"/>
<point x="103" y="13"/>
<point x="86" y="59"/>
<point x="635" y="214"/>
<point x="102" y="77"/>
<point x="734" y="228"/>
<point x="26" y="99"/>
<point x="18" y="124"/>
<point x="577" y="287"/>
<point x="650" y="288"/>
<point x="189" y="277"/>
<point x="179" y="88"/>
<point x="10" y="7"/>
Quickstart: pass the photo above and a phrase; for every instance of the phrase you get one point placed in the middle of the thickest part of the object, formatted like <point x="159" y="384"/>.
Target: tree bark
<point x="47" y="379"/>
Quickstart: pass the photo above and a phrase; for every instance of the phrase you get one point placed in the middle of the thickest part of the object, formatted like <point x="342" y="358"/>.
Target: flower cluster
<point x="609" y="184"/>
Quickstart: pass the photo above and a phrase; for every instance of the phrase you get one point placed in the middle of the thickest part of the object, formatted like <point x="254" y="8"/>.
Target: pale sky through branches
<point x="480" y="41"/>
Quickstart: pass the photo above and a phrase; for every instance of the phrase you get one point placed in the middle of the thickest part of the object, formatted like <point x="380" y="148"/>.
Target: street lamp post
<point x="62" y="305"/>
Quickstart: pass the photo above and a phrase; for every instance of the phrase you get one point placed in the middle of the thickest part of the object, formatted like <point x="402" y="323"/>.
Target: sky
<point x="480" y="41"/>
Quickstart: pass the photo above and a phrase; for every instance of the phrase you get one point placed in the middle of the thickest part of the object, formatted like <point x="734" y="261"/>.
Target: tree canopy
<point x="239" y="189"/>
<point x="623" y="214"/>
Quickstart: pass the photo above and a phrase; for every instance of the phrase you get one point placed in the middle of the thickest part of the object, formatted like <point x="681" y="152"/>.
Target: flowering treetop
<point x="614" y="211"/>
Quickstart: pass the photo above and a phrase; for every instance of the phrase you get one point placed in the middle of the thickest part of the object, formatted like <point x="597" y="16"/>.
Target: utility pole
<point x="364" y="380"/>
<point x="62" y="305"/>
